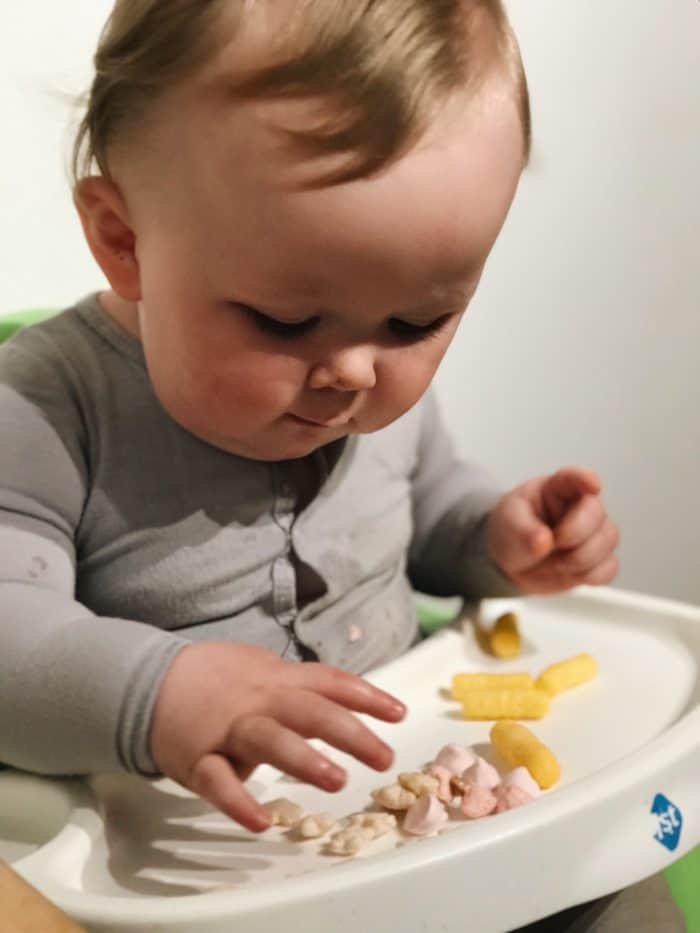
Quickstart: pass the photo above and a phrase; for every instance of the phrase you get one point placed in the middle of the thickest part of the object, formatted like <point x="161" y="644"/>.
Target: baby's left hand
<point x="553" y="533"/>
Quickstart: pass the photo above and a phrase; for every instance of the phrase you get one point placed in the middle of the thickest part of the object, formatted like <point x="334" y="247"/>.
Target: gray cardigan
<point x="124" y="538"/>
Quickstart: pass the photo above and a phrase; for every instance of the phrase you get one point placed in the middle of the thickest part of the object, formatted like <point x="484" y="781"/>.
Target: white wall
<point x="582" y="345"/>
<point x="45" y="51"/>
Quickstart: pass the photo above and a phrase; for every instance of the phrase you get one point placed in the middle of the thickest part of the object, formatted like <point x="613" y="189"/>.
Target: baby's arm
<point x="549" y="534"/>
<point x="451" y="504"/>
<point x="77" y="691"/>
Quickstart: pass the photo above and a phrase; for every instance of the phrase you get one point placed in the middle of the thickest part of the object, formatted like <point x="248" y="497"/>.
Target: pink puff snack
<point x="425" y="817"/>
<point x="521" y="777"/>
<point x="481" y="774"/>
<point x="508" y="796"/>
<point x="456" y="758"/>
<point x="477" y="802"/>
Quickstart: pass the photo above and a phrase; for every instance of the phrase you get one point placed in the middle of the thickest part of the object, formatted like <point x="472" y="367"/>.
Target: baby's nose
<point x="348" y="370"/>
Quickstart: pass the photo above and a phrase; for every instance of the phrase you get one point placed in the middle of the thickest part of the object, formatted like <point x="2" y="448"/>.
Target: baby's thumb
<point x="519" y="539"/>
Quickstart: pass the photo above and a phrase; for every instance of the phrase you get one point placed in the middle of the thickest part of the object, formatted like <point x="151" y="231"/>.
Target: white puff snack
<point x="348" y="841"/>
<point x="315" y="825"/>
<point x="283" y="812"/>
<point x="425" y="817"/>
<point x="363" y="828"/>
<point x="394" y="797"/>
<point x="419" y="782"/>
<point x="374" y="824"/>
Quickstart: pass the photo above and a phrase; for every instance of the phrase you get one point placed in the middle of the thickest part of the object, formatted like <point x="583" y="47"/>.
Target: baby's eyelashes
<point x="404" y="331"/>
<point x="277" y="328"/>
<point x="414" y="332"/>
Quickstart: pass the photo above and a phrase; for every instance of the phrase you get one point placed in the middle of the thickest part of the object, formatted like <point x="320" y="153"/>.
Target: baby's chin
<point x="300" y="447"/>
<point x="271" y="449"/>
<point x="287" y="441"/>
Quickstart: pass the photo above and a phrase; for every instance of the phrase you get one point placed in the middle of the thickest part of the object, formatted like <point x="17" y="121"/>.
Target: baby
<point x="231" y="461"/>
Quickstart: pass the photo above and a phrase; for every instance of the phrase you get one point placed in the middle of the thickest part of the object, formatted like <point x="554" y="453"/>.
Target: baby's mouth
<point x="338" y="421"/>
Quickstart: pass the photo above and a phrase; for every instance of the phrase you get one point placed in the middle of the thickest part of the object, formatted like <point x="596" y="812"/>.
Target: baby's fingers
<point x="215" y="779"/>
<point x="350" y="691"/>
<point x="565" y="487"/>
<point x="259" y="739"/>
<point x="580" y="523"/>
<point x="593" y="553"/>
<point x="313" y="716"/>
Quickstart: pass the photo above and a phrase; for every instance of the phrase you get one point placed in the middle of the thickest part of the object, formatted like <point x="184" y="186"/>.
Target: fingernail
<point x="332" y="775"/>
<point x="398" y="709"/>
<point x="260" y="823"/>
<point x="335" y="779"/>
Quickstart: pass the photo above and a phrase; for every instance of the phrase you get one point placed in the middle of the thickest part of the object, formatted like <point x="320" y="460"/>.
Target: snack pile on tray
<point x="457" y="785"/>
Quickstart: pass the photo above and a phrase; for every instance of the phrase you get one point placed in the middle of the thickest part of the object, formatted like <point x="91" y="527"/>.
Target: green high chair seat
<point x="683" y="877"/>
<point x="684" y="880"/>
<point x="10" y="324"/>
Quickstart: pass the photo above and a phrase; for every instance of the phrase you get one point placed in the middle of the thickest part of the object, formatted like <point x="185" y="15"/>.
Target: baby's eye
<point x="283" y="329"/>
<point x="414" y="332"/>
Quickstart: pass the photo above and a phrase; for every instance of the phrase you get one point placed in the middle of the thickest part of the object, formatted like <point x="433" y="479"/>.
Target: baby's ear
<point x="112" y="242"/>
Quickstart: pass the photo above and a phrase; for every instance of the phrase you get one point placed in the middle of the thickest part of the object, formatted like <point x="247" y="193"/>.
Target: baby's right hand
<point x="223" y="709"/>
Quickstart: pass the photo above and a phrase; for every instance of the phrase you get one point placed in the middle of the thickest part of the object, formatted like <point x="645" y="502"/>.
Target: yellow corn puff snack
<point x="462" y="683"/>
<point x="515" y="703"/>
<point x="520" y="747"/>
<point x="504" y="637"/>
<point x="567" y="674"/>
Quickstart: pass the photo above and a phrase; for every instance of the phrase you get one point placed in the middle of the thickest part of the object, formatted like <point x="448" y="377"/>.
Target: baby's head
<point x="294" y="201"/>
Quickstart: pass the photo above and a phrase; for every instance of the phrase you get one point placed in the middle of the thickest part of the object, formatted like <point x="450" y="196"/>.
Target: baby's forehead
<point x="322" y="76"/>
<point x="222" y="160"/>
<point x="375" y="71"/>
<point x="432" y="214"/>
<point x="256" y="137"/>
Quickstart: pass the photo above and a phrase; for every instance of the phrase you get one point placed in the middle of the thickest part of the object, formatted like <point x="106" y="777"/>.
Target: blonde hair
<point x="384" y="65"/>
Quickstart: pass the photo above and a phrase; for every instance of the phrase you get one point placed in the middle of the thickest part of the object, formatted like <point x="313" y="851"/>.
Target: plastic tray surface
<point x="119" y="853"/>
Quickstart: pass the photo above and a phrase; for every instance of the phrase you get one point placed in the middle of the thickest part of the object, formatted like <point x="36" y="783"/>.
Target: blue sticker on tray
<point x="670" y="820"/>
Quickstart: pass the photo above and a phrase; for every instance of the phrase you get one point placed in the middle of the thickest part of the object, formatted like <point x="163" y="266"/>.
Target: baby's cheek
<point x="404" y="378"/>
<point x="252" y="389"/>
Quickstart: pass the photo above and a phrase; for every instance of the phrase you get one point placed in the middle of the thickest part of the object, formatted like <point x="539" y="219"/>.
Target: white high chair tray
<point x="121" y="854"/>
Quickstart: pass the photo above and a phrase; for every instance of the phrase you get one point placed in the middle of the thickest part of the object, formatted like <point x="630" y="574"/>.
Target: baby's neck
<point x="125" y="313"/>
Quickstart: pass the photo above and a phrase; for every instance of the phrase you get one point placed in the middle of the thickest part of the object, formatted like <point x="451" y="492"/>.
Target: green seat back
<point x="684" y="880"/>
<point x="10" y="324"/>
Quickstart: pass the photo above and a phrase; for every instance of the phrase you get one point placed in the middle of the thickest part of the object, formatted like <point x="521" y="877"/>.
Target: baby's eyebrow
<point x="445" y="300"/>
<point x="454" y="294"/>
